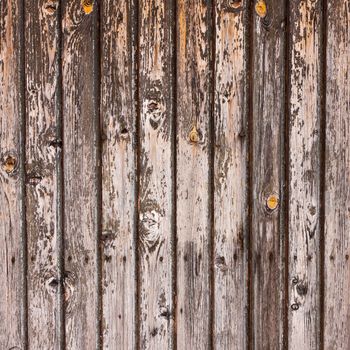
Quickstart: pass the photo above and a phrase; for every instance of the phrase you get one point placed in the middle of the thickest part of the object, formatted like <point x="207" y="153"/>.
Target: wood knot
<point x="295" y="306"/>
<point x="9" y="163"/>
<point x="34" y="179"/>
<point x="272" y="202"/>
<point x="261" y="9"/>
<point x="220" y="263"/>
<point x="124" y="133"/>
<point x="50" y="7"/>
<point x="302" y="289"/>
<point x="194" y="135"/>
<point x="295" y="280"/>
<point x="56" y="143"/>
<point x="88" y="6"/>
<point x="52" y="285"/>
<point x="233" y="5"/>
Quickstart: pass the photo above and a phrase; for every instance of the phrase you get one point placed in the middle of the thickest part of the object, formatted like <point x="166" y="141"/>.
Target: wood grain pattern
<point x="304" y="175"/>
<point x="156" y="215"/>
<point x="41" y="146"/>
<point x="337" y="179"/>
<point x="118" y="174"/>
<point x="193" y="171"/>
<point x="267" y="239"/>
<point x="80" y="146"/>
<point x="230" y="196"/>
<point x="174" y="174"/>
<point x="11" y="224"/>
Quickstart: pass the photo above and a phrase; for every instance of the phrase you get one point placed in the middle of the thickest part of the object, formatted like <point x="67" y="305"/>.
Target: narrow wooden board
<point x="12" y="327"/>
<point x="80" y="153"/>
<point x="156" y="210"/>
<point x="41" y="55"/>
<point x="230" y="196"/>
<point x="337" y="179"/>
<point x="118" y="115"/>
<point x="268" y="112"/>
<point x="194" y="227"/>
<point x="304" y="175"/>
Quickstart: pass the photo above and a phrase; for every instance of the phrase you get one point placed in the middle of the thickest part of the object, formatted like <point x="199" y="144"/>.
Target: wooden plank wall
<point x="174" y="174"/>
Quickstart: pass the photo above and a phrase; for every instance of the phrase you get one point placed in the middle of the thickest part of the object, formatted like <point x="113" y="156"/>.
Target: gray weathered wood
<point x="268" y="111"/>
<point x="80" y="146"/>
<point x="337" y="179"/>
<point x="118" y="114"/>
<point x="174" y="174"/>
<point x="156" y="211"/>
<point x="304" y="175"/>
<point x="11" y="224"/>
<point x="230" y="196"/>
<point x="193" y="169"/>
<point x="41" y="55"/>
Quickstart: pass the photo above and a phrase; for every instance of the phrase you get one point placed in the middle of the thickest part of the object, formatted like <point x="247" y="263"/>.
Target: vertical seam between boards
<point x="23" y="193"/>
<point x="322" y="155"/>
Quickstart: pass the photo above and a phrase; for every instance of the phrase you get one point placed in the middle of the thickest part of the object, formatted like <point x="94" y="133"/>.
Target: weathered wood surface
<point x="304" y="174"/>
<point x="118" y="118"/>
<point x="81" y="174"/>
<point x="193" y="182"/>
<point x="12" y="327"/>
<point x="337" y="178"/>
<point x="42" y="111"/>
<point x="267" y="238"/>
<point x="174" y="174"/>
<point x="230" y="177"/>
<point x="155" y="202"/>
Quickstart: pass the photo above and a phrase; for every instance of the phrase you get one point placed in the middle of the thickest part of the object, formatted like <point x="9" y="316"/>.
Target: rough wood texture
<point x="268" y="110"/>
<point x="156" y="212"/>
<point x="230" y="196"/>
<point x="118" y="175"/>
<point x="337" y="179"/>
<point x="11" y="250"/>
<point x="80" y="176"/>
<point x="193" y="169"/>
<point x="304" y="175"/>
<point x="41" y="146"/>
<point x="174" y="174"/>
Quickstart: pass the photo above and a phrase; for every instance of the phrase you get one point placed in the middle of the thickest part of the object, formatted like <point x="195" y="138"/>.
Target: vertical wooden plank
<point x="118" y="174"/>
<point x="80" y="153"/>
<point x="156" y="178"/>
<point x="193" y="174"/>
<point x="41" y="57"/>
<point x="337" y="179"/>
<point x="12" y="328"/>
<point x="267" y="114"/>
<point x="304" y="175"/>
<point x="230" y="195"/>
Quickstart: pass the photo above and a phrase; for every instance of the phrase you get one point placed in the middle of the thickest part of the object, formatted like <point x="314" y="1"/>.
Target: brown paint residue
<point x="260" y="8"/>
<point x="272" y="202"/>
<point x="9" y="164"/>
<point x="88" y="6"/>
